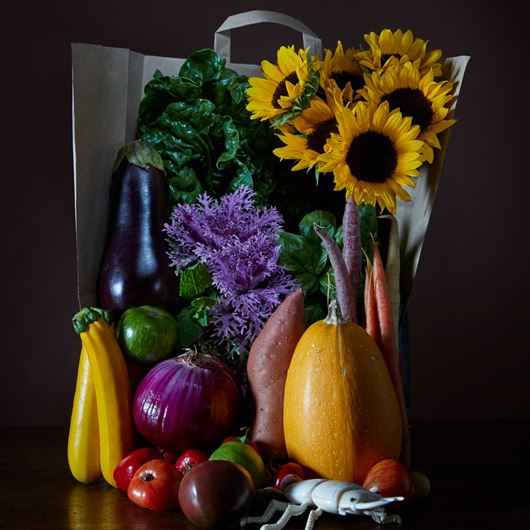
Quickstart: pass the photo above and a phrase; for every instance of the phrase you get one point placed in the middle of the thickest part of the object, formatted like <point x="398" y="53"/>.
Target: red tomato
<point x="190" y="458"/>
<point x="155" y="486"/>
<point x="291" y="468"/>
<point x="238" y="438"/>
<point x="127" y="467"/>
<point x="391" y="479"/>
<point x="168" y="456"/>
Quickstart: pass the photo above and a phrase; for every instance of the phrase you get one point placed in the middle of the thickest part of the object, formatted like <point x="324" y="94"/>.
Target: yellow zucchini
<point x="112" y="387"/>
<point x="83" y="438"/>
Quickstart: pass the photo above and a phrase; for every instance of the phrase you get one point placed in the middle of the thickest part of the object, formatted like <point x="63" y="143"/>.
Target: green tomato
<point x="147" y="334"/>
<point x="244" y="455"/>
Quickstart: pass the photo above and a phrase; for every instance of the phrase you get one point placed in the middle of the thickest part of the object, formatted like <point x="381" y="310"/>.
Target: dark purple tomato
<point x="216" y="494"/>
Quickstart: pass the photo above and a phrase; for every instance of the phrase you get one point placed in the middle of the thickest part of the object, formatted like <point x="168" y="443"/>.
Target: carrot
<point x="392" y="271"/>
<point x="387" y="343"/>
<point x="268" y="362"/>
<point x="345" y="295"/>
<point x="351" y="251"/>
<point x="371" y="320"/>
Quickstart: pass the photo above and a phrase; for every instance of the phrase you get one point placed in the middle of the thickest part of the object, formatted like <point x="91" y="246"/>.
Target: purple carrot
<point x="343" y="285"/>
<point x="352" y="246"/>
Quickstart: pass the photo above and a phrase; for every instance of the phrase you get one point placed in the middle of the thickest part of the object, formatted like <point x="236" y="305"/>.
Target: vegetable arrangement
<point x="220" y="266"/>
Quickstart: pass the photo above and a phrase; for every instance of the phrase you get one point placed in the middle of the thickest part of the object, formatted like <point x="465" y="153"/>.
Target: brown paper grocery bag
<point x="107" y="86"/>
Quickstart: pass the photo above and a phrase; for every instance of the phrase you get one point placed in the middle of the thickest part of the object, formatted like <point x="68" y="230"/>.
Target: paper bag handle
<point x="249" y="18"/>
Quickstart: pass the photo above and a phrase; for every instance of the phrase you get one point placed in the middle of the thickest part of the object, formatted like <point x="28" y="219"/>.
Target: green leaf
<point x="307" y="281"/>
<point x="199" y="125"/>
<point x="313" y="313"/>
<point x="190" y="329"/>
<point x="202" y="66"/>
<point x="184" y="185"/>
<point x="243" y="178"/>
<point x="231" y="144"/>
<point x="303" y="258"/>
<point x="238" y="89"/>
<point x="368" y="226"/>
<point x="299" y="254"/>
<point x="159" y="93"/>
<point x="201" y="306"/>
<point x="321" y="218"/>
<point x="194" y="281"/>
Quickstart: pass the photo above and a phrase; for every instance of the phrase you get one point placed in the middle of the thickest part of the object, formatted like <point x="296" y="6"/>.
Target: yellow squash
<point x="341" y="414"/>
<point x="83" y="438"/>
<point x="111" y="385"/>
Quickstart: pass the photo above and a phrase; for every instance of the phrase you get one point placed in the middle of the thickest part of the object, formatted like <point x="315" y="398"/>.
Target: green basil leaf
<point x="321" y="218"/>
<point x="201" y="306"/>
<point x="307" y="281"/>
<point x="313" y="313"/>
<point x="190" y="329"/>
<point x="300" y="254"/>
<point x="194" y="281"/>
<point x="368" y="226"/>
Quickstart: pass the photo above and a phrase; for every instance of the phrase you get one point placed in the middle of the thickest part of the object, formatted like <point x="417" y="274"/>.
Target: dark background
<point x="469" y="311"/>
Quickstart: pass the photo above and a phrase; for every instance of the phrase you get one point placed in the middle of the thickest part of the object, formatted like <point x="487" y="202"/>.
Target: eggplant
<point x="135" y="267"/>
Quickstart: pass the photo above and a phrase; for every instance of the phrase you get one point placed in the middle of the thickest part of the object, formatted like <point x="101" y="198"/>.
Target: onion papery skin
<point x="187" y="402"/>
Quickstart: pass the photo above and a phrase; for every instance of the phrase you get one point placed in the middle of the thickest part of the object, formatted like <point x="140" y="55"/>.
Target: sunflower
<point x="343" y="70"/>
<point x="311" y="130"/>
<point x="420" y="97"/>
<point x="374" y="154"/>
<point x="283" y="84"/>
<point x="390" y="48"/>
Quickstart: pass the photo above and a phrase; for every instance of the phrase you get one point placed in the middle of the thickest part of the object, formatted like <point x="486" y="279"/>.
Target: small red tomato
<point x="155" y="486"/>
<point x="238" y="438"/>
<point x="127" y="467"/>
<point x="190" y="458"/>
<point x="168" y="456"/>
<point x="291" y="468"/>
<point x="391" y="479"/>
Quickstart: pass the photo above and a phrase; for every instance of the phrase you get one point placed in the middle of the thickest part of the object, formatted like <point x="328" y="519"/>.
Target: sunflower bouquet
<point x="371" y="122"/>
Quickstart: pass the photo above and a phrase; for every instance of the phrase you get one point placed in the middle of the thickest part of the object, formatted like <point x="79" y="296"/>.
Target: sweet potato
<point x="267" y="367"/>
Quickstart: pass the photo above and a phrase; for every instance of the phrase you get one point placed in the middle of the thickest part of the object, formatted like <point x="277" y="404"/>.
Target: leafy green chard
<point x="198" y="123"/>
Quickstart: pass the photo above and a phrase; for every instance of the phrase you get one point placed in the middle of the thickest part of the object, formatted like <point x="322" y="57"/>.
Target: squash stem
<point x="334" y="315"/>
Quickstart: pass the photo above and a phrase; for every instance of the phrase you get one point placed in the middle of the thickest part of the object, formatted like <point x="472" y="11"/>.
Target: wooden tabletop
<point x="479" y="471"/>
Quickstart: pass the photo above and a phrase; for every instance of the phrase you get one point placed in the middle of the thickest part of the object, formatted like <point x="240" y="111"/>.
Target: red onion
<point x="187" y="402"/>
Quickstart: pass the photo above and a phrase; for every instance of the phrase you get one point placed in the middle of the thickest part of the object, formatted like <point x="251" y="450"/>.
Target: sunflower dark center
<point x="319" y="135"/>
<point x="281" y="89"/>
<point x="411" y="102"/>
<point x="372" y="157"/>
<point x="342" y="78"/>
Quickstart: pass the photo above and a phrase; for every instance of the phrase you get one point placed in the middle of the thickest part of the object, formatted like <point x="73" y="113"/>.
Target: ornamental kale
<point x="239" y="245"/>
